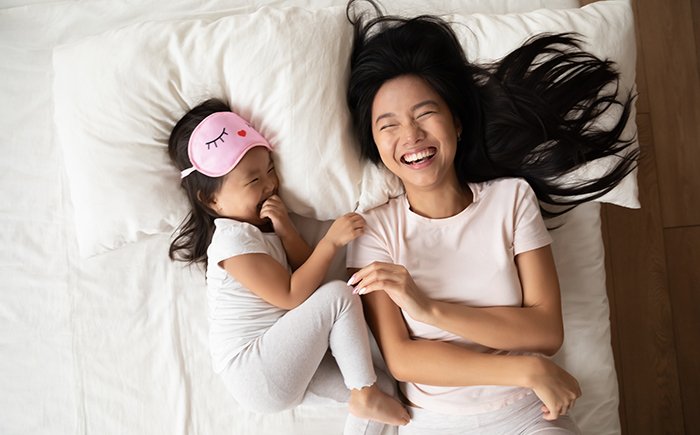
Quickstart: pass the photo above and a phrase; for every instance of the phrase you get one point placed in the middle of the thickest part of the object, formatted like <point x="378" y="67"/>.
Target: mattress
<point x="116" y="341"/>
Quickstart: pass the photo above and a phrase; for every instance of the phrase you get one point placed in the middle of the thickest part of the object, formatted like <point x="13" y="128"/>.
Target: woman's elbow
<point x="398" y="369"/>
<point x="398" y="363"/>
<point x="553" y="342"/>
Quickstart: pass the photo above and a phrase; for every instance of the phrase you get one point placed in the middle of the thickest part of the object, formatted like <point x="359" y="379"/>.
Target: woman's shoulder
<point x="503" y="193"/>
<point x="503" y="186"/>
<point x="391" y="207"/>
<point x="505" y="183"/>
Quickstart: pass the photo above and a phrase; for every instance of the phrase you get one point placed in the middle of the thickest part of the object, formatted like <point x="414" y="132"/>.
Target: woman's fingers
<point x="378" y="280"/>
<point x="557" y="410"/>
<point x="366" y="277"/>
<point x="368" y="273"/>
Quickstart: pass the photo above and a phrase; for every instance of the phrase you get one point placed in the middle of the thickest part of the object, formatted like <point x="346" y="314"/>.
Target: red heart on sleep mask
<point x="241" y="133"/>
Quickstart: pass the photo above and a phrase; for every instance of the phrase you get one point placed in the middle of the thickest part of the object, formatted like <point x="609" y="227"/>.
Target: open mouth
<point x="418" y="157"/>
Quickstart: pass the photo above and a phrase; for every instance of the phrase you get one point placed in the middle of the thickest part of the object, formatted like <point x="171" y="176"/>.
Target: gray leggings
<point x="278" y="368"/>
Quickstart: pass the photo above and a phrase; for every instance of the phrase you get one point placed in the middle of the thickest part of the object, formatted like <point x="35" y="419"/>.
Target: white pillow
<point x="117" y="96"/>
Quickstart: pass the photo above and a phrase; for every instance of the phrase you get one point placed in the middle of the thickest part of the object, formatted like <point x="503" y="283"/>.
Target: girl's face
<point x="415" y="133"/>
<point x="246" y="187"/>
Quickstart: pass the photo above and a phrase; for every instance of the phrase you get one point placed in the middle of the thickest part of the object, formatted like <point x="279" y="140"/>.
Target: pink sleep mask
<point x="219" y="142"/>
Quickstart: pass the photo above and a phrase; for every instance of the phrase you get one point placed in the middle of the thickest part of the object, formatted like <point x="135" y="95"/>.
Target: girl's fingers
<point x="357" y="220"/>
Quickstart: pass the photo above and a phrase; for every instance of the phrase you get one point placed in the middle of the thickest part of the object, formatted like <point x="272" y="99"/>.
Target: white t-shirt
<point x="467" y="258"/>
<point x="237" y="315"/>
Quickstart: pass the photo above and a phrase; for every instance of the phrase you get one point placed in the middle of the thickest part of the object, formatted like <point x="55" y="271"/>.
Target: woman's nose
<point x="413" y="133"/>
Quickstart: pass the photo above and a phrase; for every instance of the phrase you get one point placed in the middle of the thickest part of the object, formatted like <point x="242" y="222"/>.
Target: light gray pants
<point x="522" y="417"/>
<point x="277" y="369"/>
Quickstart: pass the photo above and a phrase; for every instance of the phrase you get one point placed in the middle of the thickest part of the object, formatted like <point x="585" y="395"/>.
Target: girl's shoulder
<point x="232" y="227"/>
<point x="233" y="237"/>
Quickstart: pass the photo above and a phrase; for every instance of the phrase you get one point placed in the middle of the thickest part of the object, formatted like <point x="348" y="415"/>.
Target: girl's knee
<point x="338" y="291"/>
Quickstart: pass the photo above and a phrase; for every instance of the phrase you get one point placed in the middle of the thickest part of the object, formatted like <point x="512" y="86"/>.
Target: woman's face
<point x="415" y="133"/>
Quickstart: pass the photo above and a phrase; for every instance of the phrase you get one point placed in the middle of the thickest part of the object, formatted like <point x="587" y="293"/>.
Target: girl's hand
<point x="345" y="229"/>
<point x="274" y="209"/>
<point x="397" y="283"/>
<point x="555" y="387"/>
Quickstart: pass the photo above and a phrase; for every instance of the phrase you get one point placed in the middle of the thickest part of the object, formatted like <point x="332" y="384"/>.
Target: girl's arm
<point x="536" y="326"/>
<point x="445" y="364"/>
<point x="269" y="280"/>
<point x="296" y="248"/>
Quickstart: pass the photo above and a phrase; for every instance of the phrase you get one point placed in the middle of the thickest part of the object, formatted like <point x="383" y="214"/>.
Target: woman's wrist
<point x="534" y="369"/>
<point x="428" y="311"/>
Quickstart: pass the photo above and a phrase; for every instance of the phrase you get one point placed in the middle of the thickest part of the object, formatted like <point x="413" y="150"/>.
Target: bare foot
<point x="371" y="403"/>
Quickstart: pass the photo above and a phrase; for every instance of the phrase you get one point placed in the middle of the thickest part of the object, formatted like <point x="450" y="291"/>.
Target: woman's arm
<point x="445" y="364"/>
<point x="435" y="362"/>
<point x="536" y="326"/>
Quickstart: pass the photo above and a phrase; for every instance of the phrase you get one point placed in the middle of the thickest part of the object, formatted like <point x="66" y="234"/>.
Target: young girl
<point x="270" y="328"/>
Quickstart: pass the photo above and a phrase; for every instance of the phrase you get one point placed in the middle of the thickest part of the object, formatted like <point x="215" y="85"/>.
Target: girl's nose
<point x="270" y="185"/>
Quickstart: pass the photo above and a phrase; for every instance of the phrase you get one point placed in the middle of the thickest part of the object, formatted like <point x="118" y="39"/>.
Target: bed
<point x="100" y="333"/>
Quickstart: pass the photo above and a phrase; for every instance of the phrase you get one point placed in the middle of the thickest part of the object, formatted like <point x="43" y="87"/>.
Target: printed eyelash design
<point x="213" y="142"/>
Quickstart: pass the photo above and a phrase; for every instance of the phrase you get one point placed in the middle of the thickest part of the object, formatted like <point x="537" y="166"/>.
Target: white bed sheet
<point x="117" y="343"/>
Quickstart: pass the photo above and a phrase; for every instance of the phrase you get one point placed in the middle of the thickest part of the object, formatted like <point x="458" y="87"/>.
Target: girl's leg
<point x="274" y="371"/>
<point x="328" y="383"/>
<point x="350" y="346"/>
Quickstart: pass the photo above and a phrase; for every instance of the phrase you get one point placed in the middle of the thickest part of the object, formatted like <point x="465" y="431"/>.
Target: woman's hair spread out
<point x="194" y="234"/>
<point x="532" y="114"/>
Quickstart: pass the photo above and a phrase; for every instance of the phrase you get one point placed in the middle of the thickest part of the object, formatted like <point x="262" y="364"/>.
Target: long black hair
<point x="193" y="236"/>
<point x="532" y="114"/>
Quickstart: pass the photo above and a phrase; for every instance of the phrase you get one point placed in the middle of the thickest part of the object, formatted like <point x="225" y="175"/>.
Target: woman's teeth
<point x="418" y="157"/>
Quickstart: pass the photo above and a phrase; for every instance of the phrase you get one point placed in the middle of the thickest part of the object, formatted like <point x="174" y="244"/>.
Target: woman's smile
<point x="419" y="159"/>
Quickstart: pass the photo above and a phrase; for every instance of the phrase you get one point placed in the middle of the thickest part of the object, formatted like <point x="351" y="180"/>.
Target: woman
<point x="458" y="278"/>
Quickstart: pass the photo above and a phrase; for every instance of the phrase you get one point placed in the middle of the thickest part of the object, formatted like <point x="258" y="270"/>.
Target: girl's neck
<point x="439" y="204"/>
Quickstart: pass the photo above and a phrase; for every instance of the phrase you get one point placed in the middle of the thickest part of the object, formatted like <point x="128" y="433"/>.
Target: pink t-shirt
<point x="467" y="258"/>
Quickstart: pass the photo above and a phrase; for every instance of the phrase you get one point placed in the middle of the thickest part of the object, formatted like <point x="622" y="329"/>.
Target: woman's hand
<point x="345" y="229"/>
<point x="555" y="387"/>
<point x="397" y="283"/>
<point x="274" y="209"/>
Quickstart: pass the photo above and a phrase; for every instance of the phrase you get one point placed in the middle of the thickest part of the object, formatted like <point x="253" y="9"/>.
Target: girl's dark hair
<point x="194" y="234"/>
<point x="530" y="115"/>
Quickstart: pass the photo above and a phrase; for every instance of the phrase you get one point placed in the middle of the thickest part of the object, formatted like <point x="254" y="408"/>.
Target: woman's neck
<point x="439" y="204"/>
